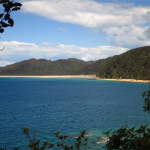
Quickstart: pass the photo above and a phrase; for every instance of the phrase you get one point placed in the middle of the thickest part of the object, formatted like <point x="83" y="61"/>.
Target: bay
<point x="67" y="105"/>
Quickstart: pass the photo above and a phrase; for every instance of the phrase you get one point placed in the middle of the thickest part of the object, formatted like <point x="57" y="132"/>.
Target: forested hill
<point x="133" y="64"/>
<point x="42" y="67"/>
<point x="92" y="68"/>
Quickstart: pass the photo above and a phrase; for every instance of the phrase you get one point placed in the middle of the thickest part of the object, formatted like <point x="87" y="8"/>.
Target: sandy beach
<point x="123" y="80"/>
<point x="57" y="76"/>
<point x="92" y="77"/>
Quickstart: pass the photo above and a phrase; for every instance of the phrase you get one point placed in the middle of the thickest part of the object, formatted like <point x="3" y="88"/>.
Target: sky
<point x="82" y="29"/>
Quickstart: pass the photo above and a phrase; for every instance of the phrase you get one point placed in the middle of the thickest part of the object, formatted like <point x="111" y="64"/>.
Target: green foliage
<point x="66" y="142"/>
<point x="34" y="144"/>
<point x="146" y="95"/>
<point x="42" y="67"/>
<point x="133" y="64"/>
<point x="122" y="139"/>
<point x="5" y="20"/>
<point x="131" y="138"/>
<point x="80" y="141"/>
<point x="92" y="67"/>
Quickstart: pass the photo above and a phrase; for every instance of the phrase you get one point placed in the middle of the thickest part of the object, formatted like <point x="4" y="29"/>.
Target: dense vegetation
<point x="133" y="64"/>
<point x="42" y="67"/>
<point x="122" y="139"/>
<point x="131" y="138"/>
<point x="92" y="68"/>
<point x="69" y="66"/>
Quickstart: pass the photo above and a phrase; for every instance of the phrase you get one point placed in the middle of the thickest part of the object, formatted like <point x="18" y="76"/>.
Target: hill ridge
<point x="133" y="64"/>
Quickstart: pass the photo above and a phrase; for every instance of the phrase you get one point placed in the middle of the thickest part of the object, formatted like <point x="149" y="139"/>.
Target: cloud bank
<point x="120" y="21"/>
<point x="89" y="13"/>
<point x="17" y="51"/>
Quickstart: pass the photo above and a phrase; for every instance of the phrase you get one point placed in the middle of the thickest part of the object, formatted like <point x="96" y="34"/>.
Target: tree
<point x="5" y="20"/>
<point x="131" y="138"/>
<point x="66" y="142"/>
<point x="122" y="139"/>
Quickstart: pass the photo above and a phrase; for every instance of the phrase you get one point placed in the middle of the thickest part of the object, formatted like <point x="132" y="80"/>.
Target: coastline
<point x="90" y="77"/>
<point x="123" y="80"/>
<point x="56" y="76"/>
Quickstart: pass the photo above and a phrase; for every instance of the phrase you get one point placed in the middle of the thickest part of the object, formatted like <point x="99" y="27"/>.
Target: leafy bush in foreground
<point x="121" y="139"/>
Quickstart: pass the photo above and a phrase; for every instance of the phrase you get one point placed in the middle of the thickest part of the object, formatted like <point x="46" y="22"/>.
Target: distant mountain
<point x="42" y="67"/>
<point x="91" y="68"/>
<point x="133" y="64"/>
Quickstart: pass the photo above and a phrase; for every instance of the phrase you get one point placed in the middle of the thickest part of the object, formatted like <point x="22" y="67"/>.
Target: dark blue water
<point x="67" y="106"/>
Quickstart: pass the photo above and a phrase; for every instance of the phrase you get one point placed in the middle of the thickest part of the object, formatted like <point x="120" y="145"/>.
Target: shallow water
<point x="48" y="105"/>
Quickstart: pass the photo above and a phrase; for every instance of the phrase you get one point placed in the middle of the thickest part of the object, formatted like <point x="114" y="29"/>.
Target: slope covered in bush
<point x="133" y="64"/>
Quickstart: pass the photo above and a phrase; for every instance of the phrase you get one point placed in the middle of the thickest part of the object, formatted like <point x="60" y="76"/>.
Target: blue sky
<point x="82" y="29"/>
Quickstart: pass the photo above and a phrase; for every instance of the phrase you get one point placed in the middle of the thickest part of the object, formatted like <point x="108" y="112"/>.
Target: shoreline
<point x="123" y="80"/>
<point x="55" y="76"/>
<point x="90" y="77"/>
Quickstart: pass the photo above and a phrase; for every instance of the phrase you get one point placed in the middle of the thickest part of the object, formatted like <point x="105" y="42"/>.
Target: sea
<point x="67" y="106"/>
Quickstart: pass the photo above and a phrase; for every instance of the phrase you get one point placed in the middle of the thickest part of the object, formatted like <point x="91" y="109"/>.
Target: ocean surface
<point x="67" y="105"/>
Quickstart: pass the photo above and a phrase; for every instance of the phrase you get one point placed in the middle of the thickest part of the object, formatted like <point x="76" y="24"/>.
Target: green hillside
<point x="133" y="64"/>
<point x="92" y="68"/>
<point x="42" y="67"/>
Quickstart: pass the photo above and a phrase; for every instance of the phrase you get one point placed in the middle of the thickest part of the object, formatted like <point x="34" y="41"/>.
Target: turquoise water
<point x="48" y="105"/>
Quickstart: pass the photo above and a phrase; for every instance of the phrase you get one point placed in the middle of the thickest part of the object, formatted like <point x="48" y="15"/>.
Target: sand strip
<point x="92" y="77"/>
<point x="57" y="76"/>
<point x="123" y="80"/>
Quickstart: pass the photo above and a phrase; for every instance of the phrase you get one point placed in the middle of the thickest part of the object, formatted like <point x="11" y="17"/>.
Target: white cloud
<point x="129" y="36"/>
<point x="63" y="29"/>
<point x="122" y="21"/>
<point x="5" y="63"/>
<point x="17" y="51"/>
<point x="87" y="57"/>
<point x="95" y="40"/>
<point x="147" y="33"/>
<point x="89" y="13"/>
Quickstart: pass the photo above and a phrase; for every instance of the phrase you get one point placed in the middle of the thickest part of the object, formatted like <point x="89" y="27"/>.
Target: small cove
<point x="48" y="105"/>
